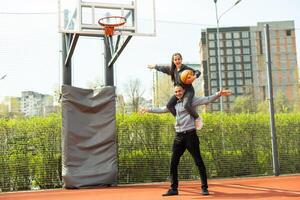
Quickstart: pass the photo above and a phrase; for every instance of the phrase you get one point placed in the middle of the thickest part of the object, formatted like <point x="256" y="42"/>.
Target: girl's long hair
<point x="173" y="66"/>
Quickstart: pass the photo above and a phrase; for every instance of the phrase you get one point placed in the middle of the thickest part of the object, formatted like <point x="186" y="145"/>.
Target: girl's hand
<point x="151" y="66"/>
<point x="224" y="93"/>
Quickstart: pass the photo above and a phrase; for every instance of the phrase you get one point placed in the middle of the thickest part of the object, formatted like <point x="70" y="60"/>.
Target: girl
<point x="174" y="71"/>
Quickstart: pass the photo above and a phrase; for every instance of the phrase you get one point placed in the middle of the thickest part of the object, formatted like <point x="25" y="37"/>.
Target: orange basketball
<point x="186" y="75"/>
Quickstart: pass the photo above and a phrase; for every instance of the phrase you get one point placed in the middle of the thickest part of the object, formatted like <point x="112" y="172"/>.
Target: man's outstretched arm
<point x="197" y="101"/>
<point x="154" y="110"/>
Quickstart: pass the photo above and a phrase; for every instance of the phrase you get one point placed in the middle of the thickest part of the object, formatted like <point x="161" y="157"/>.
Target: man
<point x="186" y="137"/>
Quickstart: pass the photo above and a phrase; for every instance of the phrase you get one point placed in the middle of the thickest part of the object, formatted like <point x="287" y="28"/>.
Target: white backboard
<point x="81" y="16"/>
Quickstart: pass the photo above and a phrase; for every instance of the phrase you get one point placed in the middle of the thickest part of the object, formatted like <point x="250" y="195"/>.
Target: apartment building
<point x="36" y="104"/>
<point x="243" y="61"/>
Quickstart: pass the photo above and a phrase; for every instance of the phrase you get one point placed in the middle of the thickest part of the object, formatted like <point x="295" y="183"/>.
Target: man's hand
<point x="224" y="93"/>
<point x="143" y="110"/>
<point x="151" y="66"/>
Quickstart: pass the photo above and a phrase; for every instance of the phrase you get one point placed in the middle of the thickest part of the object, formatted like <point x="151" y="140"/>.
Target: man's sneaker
<point x="205" y="191"/>
<point x="198" y="123"/>
<point x="171" y="192"/>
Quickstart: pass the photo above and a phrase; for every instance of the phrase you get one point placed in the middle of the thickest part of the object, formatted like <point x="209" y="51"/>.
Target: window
<point x="289" y="41"/>
<point x="223" y="75"/>
<point x="245" y="34"/>
<point x="282" y="49"/>
<point x="246" y="58"/>
<point x="246" y="50"/>
<point x="248" y="74"/>
<point x="239" y="82"/>
<point x="239" y="90"/>
<point x="246" y="42"/>
<point x="212" y="60"/>
<point x="281" y="41"/>
<point x="232" y="89"/>
<point x="229" y="59"/>
<point x="212" y="52"/>
<point x="236" y="35"/>
<point x="213" y="75"/>
<point x="237" y="43"/>
<point x="228" y="35"/>
<point x="237" y="51"/>
<point x="239" y="74"/>
<point x="283" y="60"/>
<point x="222" y="59"/>
<point x="221" y="52"/>
<point x="231" y="82"/>
<point x="214" y="90"/>
<point x="221" y="35"/>
<point x="238" y="67"/>
<point x="248" y="82"/>
<point x="211" y="44"/>
<point x="211" y="36"/>
<point x="247" y="66"/>
<point x="237" y="58"/>
<point x="213" y="68"/>
<point x="230" y="67"/>
<point x="221" y="44"/>
<point x="230" y="75"/>
<point x="213" y="83"/>
<point x="223" y="67"/>
<point x="288" y="32"/>
<point x="229" y="51"/>
<point x="291" y="50"/>
<point x="273" y="48"/>
<point x="228" y="43"/>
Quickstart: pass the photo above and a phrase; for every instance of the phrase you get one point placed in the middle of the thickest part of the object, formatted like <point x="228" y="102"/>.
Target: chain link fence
<point x="232" y="145"/>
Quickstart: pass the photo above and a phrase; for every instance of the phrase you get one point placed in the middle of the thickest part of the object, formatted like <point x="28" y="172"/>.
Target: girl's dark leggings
<point x="187" y="103"/>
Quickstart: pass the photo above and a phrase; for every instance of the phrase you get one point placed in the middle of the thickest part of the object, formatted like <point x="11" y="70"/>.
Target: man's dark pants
<point x="190" y="141"/>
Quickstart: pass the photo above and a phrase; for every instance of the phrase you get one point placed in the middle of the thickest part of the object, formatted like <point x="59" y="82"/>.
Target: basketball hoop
<point x="109" y="23"/>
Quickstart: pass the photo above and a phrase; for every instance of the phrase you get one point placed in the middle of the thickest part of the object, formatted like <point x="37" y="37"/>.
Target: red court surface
<point x="282" y="187"/>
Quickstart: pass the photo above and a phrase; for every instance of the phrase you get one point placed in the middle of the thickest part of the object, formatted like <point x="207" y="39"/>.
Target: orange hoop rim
<point x="122" y="19"/>
<point x="109" y="28"/>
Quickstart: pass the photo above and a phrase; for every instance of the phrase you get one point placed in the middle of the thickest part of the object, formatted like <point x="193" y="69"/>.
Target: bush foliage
<point x="231" y="145"/>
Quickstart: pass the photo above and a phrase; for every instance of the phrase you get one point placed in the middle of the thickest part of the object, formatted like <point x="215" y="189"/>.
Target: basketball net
<point x="109" y="23"/>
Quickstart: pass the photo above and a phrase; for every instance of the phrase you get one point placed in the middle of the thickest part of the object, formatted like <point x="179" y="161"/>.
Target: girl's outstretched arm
<point x="163" y="69"/>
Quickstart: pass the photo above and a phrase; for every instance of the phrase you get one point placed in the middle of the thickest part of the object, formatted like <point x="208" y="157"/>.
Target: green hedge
<point x="231" y="145"/>
<point x="30" y="153"/>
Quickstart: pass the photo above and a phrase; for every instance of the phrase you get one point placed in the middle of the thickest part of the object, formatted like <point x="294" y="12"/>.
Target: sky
<point x="30" y="43"/>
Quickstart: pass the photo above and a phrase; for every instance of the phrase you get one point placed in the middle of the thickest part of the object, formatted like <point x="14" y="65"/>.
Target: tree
<point x="120" y="104"/>
<point x="3" y="110"/>
<point x="133" y="90"/>
<point x="163" y="90"/>
<point x="263" y="107"/>
<point x="56" y="94"/>
<point x="96" y="84"/>
<point x="281" y="103"/>
<point x="296" y="105"/>
<point x="244" y="104"/>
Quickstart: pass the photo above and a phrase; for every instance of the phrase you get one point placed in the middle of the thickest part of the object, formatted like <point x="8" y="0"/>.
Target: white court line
<point x="265" y="189"/>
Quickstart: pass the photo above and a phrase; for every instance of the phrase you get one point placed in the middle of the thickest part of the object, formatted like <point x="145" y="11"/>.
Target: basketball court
<point x="282" y="187"/>
<point x="116" y="23"/>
